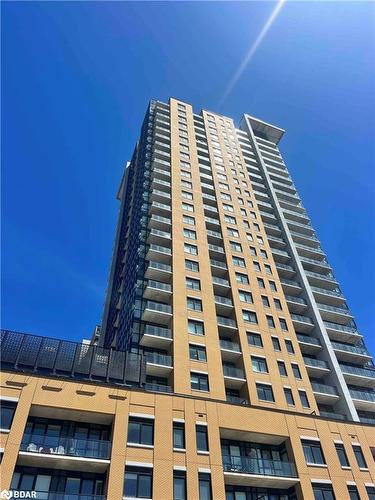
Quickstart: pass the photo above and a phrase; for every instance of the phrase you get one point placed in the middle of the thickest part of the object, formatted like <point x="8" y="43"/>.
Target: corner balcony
<point x="234" y="378"/>
<point x="302" y="324"/>
<point x="158" y="365"/>
<point x="156" y="337"/>
<point x="230" y="351"/>
<point x="155" y="312"/>
<point x="325" y="394"/>
<point x="157" y="290"/>
<point x="308" y="345"/>
<point x="363" y="400"/>
<point x="65" y="453"/>
<point x="358" y="376"/>
<point x="316" y="367"/>
<point x="342" y="333"/>
<point x="159" y="222"/>
<point x="159" y="253"/>
<point x="351" y="353"/>
<point x="158" y="271"/>
<point x="246" y="471"/>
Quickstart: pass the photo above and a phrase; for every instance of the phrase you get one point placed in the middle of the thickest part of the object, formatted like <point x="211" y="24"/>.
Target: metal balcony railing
<point x="68" y="446"/>
<point x="245" y="465"/>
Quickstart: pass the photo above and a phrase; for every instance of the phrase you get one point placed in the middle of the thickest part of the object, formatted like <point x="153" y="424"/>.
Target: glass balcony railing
<point x="245" y="465"/>
<point x="332" y="293"/>
<point x="350" y="348"/>
<point x="284" y="267"/>
<point x="159" y="307"/>
<point x="219" y="281"/>
<point x="222" y="321"/>
<point x="229" y="345"/>
<point x="67" y="446"/>
<point x="338" y="310"/>
<point x="331" y="414"/>
<point x="284" y="281"/>
<point x="158" y="331"/>
<point x="316" y="363"/>
<point x="341" y="328"/>
<point x="356" y="370"/>
<point x="324" y="389"/>
<point x="158" y="359"/>
<point x="232" y="371"/>
<point x="299" y="300"/>
<point x="158" y="387"/>
<point x="218" y="263"/>
<point x="223" y="301"/>
<point x="237" y="400"/>
<point x="326" y="277"/>
<point x="158" y="248"/>
<point x="214" y="234"/>
<point x="159" y="266"/>
<point x="301" y="319"/>
<point x="215" y="248"/>
<point x="306" y="339"/>
<point x="158" y="285"/>
<point x="363" y="395"/>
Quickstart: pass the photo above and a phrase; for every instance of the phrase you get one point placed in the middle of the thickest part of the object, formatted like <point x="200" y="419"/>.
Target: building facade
<point x="228" y="365"/>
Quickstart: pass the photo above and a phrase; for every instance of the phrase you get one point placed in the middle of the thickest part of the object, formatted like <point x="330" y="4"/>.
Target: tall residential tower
<point x="228" y="365"/>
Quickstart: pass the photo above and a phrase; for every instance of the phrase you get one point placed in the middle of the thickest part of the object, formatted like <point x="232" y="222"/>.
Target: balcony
<point x="158" y="365"/>
<point x="155" y="312"/>
<point x="219" y="266"/>
<point x="341" y="332"/>
<point x="276" y="242"/>
<point x="318" y="278"/>
<point x="284" y="270"/>
<point x="230" y="351"/>
<point x="234" y="378"/>
<point x="226" y="323"/>
<point x="65" y="453"/>
<point x="336" y="314"/>
<point x="158" y="208"/>
<point x="347" y="352"/>
<point x="296" y="304"/>
<point x="316" y="367"/>
<point x="363" y="400"/>
<point x="272" y="229"/>
<point x="280" y="255"/>
<point x="211" y="220"/>
<point x="159" y="253"/>
<point x="328" y="296"/>
<point x="290" y="286"/>
<point x="158" y="271"/>
<point x="159" y="237"/>
<point x="302" y="324"/>
<point x="214" y="235"/>
<point x="310" y="251"/>
<point x="156" y="337"/>
<point x="299" y="228"/>
<point x="157" y="290"/>
<point x="324" y="394"/>
<point x="223" y="304"/>
<point x="158" y="388"/>
<point x="220" y="283"/>
<point x="246" y="471"/>
<point x="159" y="222"/>
<point x="309" y="345"/>
<point x="358" y="376"/>
<point x="305" y="239"/>
<point x="315" y="265"/>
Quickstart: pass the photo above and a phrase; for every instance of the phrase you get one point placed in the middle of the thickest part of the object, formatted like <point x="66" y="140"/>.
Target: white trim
<point x="338" y="441"/>
<point x="1" y="450"/>
<point x="258" y="356"/>
<point x="9" y="398"/>
<point x="322" y="481"/>
<point x="322" y="466"/>
<point x="346" y="467"/>
<point x="140" y="445"/>
<point x="370" y="485"/>
<point x="179" y="450"/>
<point x="142" y="415"/>
<point x="355" y="443"/>
<point x="5" y="431"/>
<point x="287" y="387"/>
<point x="139" y="464"/>
<point x="205" y="471"/>
<point x="310" y="438"/>
<point x="197" y="422"/>
<point x="264" y="383"/>
<point x="351" y="483"/>
<point x="202" y="452"/>
<point x="181" y="420"/>
<point x="198" y="371"/>
<point x="179" y="467"/>
<point x="363" y="469"/>
<point x="191" y="342"/>
<point x="65" y="457"/>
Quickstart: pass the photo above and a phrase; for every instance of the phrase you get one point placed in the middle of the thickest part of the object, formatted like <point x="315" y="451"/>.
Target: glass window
<point x="188" y="233"/>
<point x="141" y="431"/>
<point x="276" y="344"/>
<point x="191" y="265"/>
<point x="7" y="410"/>
<point x="250" y="316"/>
<point x="273" y="286"/>
<point x="289" y="396"/>
<point x="199" y="381"/>
<point x="265" y="392"/>
<point x="245" y="296"/>
<point x="260" y="283"/>
<point x="205" y="492"/>
<point x="232" y="232"/>
<point x="191" y="249"/>
<point x="323" y="492"/>
<point x="353" y="492"/>
<point x="282" y="368"/>
<point x="179" y="485"/>
<point x="252" y="251"/>
<point x="283" y="324"/>
<point x="296" y="371"/>
<point x="188" y="220"/>
<point x="187" y="195"/>
<point x="304" y="400"/>
<point x="370" y="490"/>
<point x="270" y="321"/>
<point x="197" y="352"/>
<point x="230" y="220"/>
<point x="195" y="327"/>
<point x="236" y="247"/>
<point x="188" y="207"/>
<point x="289" y="346"/>
<point x="342" y="455"/>
<point x="179" y="435"/>
<point x="259" y="364"/>
<point x="256" y="266"/>
<point x="277" y="303"/>
<point x="202" y="437"/>
<point x="264" y="255"/>
<point x="255" y="339"/>
<point x="138" y="482"/>
<point x="194" y="304"/>
<point x="265" y="301"/>
<point x="313" y="452"/>
<point x="238" y="261"/>
<point x="193" y="284"/>
<point x="242" y="278"/>
<point x="359" y="456"/>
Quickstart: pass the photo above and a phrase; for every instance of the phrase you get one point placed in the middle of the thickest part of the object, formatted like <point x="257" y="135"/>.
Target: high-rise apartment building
<point x="228" y="365"/>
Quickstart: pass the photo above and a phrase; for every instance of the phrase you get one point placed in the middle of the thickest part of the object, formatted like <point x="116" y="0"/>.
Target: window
<point x="273" y="286"/>
<point x="249" y="237"/>
<point x="370" y="490"/>
<point x="193" y="284"/>
<point x="340" y="450"/>
<point x="270" y="321"/>
<point x="259" y="364"/>
<point x="186" y="174"/>
<point x="199" y="381"/>
<point x="255" y="339"/>
<point x="202" y="437"/>
<point x="187" y="195"/>
<point x="245" y="297"/>
<point x="194" y="304"/>
<point x="296" y="371"/>
<point x="197" y="352"/>
<point x="304" y="400"/>
<point x="289" y="346"/>
<point x="276" y="344"/>
<point x="283" y="324"/>
<point x="282" y="368"/>
<point x="250" y="316"/>
<point x="138" y="482"/>
<point x="265" y="392"/>
<point x="353" y="492"/>
<point x="252" y="251"/>
<point x="191" y="265"/>
<point x="186" y="184"/>
<point x="359" y="456"/>
<point x="237" y="261"/>
<point x="256" y="266"/>
<point x="230" y="220"/>
<point x="179" y="435"/>
<point x="7" y="410"/>
<point x="191" y="249"/>
<point x="267" y="268"/>
<point x="187" y="207"/>
<point x="188" y="220"/>
<point x="228" y="208"/>
<point x="195" y="327"/>
<point x="242" y="278"/>
<point x="260" y="283"/>
<point x="289" y="396"/>
<point x="313" y="452"/>
<point x="179" y="485"/>
<point x="265" y="301"/>
<point x="188" y="233"/>
<point x="264" y="255"/>
<point x="232" y="232"/>
<point x="323" y="492"/>
<point x="205" y="492"/>
<point x="236" y="247"/>
<point x="141" y="431"/>
<point x="246" y="224"/>
<point x="277" y="303"/>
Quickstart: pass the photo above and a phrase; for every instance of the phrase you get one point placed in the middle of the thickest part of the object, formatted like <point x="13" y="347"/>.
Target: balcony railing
<point x="232" y="371"/>
<point x="158" y="331"/>
<point x="356" y="370"/>
<point x="229" y="346"/>
<point x="22" y="352"/>
<point x="363" y="395"/>
<point x="258" y="466"/>
<point x="158" y="359"/>
<point x="223" y="300"/>
<point x="306" y="339"/>
<point x="324" y="291"/>
<point x="218" y="263"/>
<point x="338" y="310"/>
<point x="68" y="446"/>
<point x="350" y="348"/>
<point x="324" y="389"/>
<point x="316" y="363"/>
<point x="158" y="387"/>
<point x="158" y="306"/>
<point x="301" y="319"/>
<point x="341" y="328"/>
<point x="219" y="281"/>
<point x="299" y="300"/>
<point x="222" y="321"/>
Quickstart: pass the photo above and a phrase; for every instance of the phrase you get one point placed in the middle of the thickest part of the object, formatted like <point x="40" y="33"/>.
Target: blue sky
<point x="77" y="77"/>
